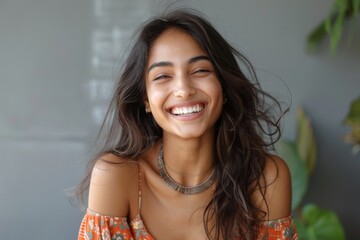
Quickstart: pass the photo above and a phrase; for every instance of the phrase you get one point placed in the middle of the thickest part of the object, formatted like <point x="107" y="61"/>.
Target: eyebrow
<point x="166" y="64"/>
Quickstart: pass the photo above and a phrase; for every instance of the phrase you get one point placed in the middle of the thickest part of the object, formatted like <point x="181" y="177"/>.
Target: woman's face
<point x="184" y="94"/>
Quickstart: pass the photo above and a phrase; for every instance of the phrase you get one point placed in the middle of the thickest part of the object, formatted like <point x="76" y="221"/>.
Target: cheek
<point x="215" y="90"/>
<point x="218" y="97"/>
<point x="156" y="96"/>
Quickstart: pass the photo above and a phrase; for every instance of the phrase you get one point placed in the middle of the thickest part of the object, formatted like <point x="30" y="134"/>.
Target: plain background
<point x="58" y="60"/>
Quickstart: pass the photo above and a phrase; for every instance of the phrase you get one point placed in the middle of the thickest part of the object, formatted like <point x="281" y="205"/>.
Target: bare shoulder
<point x="113" y="180"/>
<point x="276" y="186"/>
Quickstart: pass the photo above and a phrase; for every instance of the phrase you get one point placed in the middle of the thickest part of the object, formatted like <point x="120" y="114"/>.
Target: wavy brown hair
<point x="245" y="131"/>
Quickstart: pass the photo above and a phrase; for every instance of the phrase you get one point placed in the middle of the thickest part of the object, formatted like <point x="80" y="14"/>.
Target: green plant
<point x="312" y="222"/>
<point x="353" y="120"/>
<point x="332" y="26"/>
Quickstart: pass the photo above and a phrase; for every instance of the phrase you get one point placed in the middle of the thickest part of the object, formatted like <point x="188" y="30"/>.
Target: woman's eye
<point x="200" y="71"/>
<point x="161" y="77"/>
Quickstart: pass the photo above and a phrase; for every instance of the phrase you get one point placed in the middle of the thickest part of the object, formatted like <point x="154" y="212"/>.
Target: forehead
<point x="174" y="43"/>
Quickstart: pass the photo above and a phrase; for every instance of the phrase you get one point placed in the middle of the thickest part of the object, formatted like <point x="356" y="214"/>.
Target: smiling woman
<point x="186" y="155"/>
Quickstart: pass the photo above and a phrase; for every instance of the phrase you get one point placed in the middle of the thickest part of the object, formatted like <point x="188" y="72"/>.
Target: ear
<point x="147" y="106"/>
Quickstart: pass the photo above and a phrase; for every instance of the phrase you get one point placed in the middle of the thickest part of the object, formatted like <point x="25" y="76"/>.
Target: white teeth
<point x="187" y="110"/>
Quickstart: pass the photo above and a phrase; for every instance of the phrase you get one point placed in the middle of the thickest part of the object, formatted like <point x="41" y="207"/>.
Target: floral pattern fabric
<point x="99" y="227"/>
<point x="281" y="229"/>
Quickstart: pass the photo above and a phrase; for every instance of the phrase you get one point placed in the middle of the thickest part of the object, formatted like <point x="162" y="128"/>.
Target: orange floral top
<point x="96" y="226"/>
<point x="99" y="227"/>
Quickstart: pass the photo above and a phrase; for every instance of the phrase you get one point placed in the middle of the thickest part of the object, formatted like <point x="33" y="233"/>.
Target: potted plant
<point x="312" y="222"/>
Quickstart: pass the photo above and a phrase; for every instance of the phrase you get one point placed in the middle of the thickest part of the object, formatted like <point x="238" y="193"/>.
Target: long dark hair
<point x="244" y="132"/>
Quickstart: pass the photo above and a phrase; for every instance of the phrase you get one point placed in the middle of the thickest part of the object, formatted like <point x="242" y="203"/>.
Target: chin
<point x="193" y="133"/>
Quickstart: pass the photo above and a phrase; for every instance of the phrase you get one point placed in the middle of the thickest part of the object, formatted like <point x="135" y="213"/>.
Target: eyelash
<point x="160" y="77"/>
<point x="202" y="70"/>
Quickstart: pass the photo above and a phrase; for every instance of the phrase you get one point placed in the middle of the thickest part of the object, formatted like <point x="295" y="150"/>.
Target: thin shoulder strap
<point x="139" y="187"/>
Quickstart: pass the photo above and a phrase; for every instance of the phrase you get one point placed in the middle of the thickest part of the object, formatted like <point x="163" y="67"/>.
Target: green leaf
<point x="305" y="140"/>
<point x="336" y="7"/>
<point x="321" y="223"/>
<point x="328" y="22"/>
<point x="335" y="35"/>
<point x="299" y="174"/>
<point x="355" y="7"/>
<point x="353" y="120"/>
<point x="316" y="36"/>
<point x="341" y="4"/>
<point x="353" y="116"/>
<point x="312" y="158"/>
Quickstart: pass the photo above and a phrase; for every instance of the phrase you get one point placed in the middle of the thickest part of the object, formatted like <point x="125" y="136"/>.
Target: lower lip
<point x="188" y="117"/>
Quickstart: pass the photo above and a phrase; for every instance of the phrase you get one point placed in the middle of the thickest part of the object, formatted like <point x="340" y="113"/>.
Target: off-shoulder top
<point x="96" y="226"/>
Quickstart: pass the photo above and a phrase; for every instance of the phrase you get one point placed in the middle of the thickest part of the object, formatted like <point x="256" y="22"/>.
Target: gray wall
<point x="57" y="64"/>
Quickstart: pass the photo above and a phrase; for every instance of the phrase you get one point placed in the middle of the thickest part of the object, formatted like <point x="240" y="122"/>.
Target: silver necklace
<point x="178" y="187"/>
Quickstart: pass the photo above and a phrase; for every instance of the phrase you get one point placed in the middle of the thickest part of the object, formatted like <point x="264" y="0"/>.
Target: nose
<point x="183" y="88"/>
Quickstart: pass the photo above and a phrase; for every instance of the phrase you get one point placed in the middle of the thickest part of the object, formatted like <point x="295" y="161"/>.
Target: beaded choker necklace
<point x="178" y="187"/>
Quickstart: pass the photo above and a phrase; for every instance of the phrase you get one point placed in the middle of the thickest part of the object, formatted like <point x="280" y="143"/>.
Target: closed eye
<point x="161" y="77"/>
<point x="200" y="72"/>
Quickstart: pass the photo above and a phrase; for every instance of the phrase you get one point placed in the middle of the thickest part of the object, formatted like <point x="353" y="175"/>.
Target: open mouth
<point x="179" y="111"/>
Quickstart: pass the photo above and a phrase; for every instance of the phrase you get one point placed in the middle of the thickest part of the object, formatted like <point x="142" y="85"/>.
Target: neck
<point x="188" y="161"/>
<point x="187" y="190"/>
